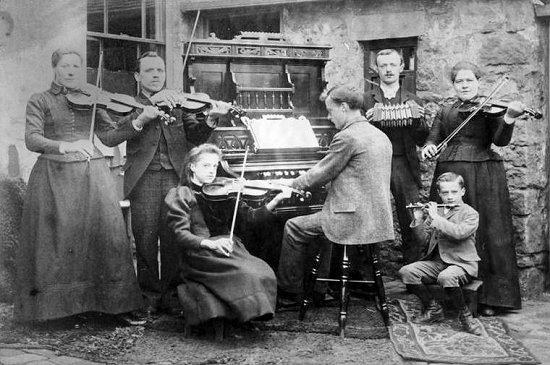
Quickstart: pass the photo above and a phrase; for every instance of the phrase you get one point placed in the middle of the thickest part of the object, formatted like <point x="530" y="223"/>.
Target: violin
<point x="419" y="205"/>
<point x="223" y="188"/>
<point x="197" y="103"/>
<point x="495" y="108"/>
<point x="120" y="104"/>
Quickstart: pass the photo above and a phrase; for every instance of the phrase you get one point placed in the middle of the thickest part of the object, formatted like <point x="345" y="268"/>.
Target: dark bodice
<point x="50" y="120"/>
<point x="473" y="142"/>
<point x="217" y="214"/>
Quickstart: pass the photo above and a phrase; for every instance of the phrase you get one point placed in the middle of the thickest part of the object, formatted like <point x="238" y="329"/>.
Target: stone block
<point x="11" y="195"/>
<point x="531" y="282"/>
<point x="532" y="260"/>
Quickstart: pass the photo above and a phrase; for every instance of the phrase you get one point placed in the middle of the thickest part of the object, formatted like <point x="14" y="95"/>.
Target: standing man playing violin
<point x="155" y="158"/>
<point x="357" y="209"/>
<point x="405" y="174"/>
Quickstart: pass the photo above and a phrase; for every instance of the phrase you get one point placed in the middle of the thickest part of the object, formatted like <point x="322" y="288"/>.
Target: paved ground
<point x="531" y="326"/>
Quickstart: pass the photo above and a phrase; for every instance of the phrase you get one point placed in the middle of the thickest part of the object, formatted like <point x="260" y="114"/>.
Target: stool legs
<point x="344" y="282"/>
<point x="344" y="295"/>
<point x="310" y="285"/>
<point x="379" y="284"/>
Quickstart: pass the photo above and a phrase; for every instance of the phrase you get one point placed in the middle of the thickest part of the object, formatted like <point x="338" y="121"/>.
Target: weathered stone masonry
<point x="503" y="37"/>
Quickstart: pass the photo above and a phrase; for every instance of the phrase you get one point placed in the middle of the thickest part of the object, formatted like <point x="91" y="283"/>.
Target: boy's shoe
<point x="468" y="322"/>
<point x="432" y="314"/>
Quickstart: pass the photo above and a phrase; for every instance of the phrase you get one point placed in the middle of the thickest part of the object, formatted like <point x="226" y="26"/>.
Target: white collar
<point x="389" y="91"/>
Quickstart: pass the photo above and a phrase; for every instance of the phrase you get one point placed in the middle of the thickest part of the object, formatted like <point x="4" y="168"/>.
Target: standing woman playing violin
<point x="470" y="154"/>
<point x="221" y="279"/>
<point x="73" y="254"/>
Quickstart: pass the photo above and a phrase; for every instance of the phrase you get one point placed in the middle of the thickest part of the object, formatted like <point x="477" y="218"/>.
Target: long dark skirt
<point x="240" y="287"/>
<point x="74" y="255"/>
<point x="487" y="192"/>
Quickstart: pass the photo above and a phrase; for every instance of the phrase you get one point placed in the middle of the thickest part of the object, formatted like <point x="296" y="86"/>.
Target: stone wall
<point x="30" y="31"/>
<point x="502" y="36"/>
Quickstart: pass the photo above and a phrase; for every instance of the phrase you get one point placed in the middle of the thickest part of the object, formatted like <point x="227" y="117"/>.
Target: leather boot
<point x="422" y="292"/>
<point x="433" y="313"/>
<point x="468" y="322"/>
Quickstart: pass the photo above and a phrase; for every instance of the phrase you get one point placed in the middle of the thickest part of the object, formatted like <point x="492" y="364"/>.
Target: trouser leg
<point x="298" y="233"/>
<point x="148" y="225"/>
<point x="145" y="209"/>
<point x="405" y="191"/>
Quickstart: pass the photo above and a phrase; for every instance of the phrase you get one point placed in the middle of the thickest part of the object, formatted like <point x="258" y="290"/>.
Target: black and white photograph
<point x="274" y="182"/>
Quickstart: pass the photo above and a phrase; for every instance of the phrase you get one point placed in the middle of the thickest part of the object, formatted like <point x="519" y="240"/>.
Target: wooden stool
<point x="344" y="281"/>
<point x="469" y="291"/>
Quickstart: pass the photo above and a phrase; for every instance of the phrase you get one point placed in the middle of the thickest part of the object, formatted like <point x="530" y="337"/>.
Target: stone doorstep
<point x="21" y="359"/>
<point x="38" y="356"/>
<point x="68" y="360"/>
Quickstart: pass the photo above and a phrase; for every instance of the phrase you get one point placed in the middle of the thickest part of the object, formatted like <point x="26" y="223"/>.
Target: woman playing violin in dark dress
<point x="73" y="254"/>
<point x="470" y="154"/>
<point x="221" y="279"/>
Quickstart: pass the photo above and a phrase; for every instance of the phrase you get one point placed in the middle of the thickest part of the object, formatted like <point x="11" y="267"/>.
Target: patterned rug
<point x="364" y="320"/>
<point x="446" y="342"/>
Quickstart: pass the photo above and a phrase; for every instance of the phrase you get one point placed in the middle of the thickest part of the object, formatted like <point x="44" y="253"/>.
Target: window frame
<point x="159" y="41"/>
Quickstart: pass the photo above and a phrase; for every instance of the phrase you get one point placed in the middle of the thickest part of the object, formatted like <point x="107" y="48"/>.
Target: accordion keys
<point x="396" y="115"/>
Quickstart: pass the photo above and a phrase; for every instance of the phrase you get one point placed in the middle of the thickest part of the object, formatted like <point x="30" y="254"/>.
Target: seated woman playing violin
<point x="470" y="154"/>
<point x="221" y="279"/>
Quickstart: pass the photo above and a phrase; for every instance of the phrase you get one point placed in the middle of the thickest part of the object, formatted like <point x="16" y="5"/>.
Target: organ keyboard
<point x="278" y="152"/>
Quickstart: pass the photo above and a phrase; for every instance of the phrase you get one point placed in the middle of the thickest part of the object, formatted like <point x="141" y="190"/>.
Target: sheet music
<point x="275" y="132"/>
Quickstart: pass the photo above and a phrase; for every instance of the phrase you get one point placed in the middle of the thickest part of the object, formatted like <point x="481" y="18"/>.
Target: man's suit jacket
<point x="142" y="145"/>
<point x="415" y="136"/>
<point x="455" y="236"/>
<point x="357" y="169"/>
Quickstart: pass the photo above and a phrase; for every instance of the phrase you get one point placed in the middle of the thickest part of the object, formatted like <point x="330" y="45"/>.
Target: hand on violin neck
<point x="515" y="109"/>
<point x="219" y="108"/>
<point x="286" y="192"/>
<point x="170" y="98"/>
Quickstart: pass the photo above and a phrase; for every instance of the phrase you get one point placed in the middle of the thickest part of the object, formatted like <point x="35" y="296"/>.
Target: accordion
<point x="396" y="115"/>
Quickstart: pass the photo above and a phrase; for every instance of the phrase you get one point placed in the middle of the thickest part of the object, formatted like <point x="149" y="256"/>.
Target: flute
<point x="425" y="205"/>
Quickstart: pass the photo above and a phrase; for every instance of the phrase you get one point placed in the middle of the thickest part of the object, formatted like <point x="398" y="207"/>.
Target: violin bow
<point x="451" y="135"/>
<point x="238" y="197"/>
<point x="191" y="39"/>
<point x="94" y="107"/>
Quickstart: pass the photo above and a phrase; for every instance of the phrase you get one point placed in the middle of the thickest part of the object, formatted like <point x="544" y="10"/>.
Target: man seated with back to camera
<point x="451" y="259"/>
<point x="357" y="209"/>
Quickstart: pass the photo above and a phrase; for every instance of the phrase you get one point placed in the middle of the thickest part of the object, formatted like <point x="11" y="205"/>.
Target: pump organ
<point x="272" y="80"/>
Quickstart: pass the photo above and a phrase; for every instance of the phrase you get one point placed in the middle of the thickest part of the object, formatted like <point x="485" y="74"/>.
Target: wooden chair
<point x="344" y="290"/>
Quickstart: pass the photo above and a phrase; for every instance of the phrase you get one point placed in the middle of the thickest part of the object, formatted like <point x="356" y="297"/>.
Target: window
<point x="122" y="30"/>
<point x="406" y="47"/>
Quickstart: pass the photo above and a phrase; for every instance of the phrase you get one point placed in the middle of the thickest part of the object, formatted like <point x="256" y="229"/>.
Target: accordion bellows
<point x="396" y="115"/>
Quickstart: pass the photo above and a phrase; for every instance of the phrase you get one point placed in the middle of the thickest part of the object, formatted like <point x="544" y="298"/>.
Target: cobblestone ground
<point x="531" y="326"/>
